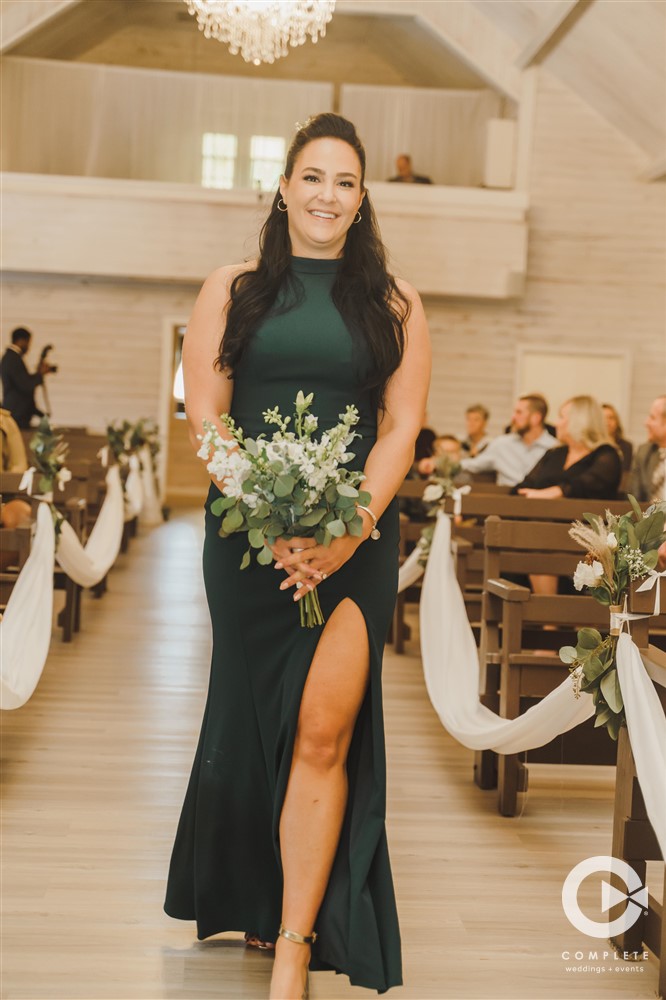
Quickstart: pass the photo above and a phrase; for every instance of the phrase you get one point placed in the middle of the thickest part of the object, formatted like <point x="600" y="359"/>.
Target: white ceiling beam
<point x="464" y="30"/>
<point x="19" y="18"/>
<point x="656" y="171"/>
<point x="551" y="32"/>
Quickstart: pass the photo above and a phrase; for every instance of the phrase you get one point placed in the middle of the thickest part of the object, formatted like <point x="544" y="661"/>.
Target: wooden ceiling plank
<point x="19" y="20"/>
<point x="551" y="32"/>
<point x="656" y="171"/>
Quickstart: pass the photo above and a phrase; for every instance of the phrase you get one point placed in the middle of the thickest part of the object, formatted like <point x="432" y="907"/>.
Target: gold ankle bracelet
<point x="298" y="938"/>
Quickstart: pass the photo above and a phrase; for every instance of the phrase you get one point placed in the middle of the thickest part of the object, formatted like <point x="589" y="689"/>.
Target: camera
<point x="42" y="357"/>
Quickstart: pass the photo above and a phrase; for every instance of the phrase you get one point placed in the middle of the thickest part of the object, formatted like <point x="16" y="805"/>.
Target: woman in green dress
<point x="282" y="834"/>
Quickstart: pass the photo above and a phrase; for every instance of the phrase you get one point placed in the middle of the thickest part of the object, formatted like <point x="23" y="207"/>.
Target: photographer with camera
<point x="18" y="385"/>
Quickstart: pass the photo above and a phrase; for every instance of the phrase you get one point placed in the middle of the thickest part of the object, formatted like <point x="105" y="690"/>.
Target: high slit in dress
<point x="225" y="870"/>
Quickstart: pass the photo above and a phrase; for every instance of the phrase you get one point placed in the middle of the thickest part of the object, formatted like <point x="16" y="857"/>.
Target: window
<point x="218" y="159"/>
<point x="267" y="154"/>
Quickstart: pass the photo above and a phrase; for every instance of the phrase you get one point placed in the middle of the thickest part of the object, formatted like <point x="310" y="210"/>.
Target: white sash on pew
<point x="646" y="723"/>
<point x="151" y="511"/>
<point x="133" y="489"/>
<point x="25" y="629"/>
<point x="87" y="566"/>
<point x="452" y="675"/>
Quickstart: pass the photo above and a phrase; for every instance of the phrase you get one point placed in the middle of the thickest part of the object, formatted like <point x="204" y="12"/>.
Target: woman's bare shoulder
<point x="222" y="277"/>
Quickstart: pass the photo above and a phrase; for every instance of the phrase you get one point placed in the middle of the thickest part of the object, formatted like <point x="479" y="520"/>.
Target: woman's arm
<point x="392" y="454"/>
<point x="208" y="391"/>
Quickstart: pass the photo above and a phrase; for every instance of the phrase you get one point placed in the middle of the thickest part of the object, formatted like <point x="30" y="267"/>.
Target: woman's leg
<point x="316" y="795"/>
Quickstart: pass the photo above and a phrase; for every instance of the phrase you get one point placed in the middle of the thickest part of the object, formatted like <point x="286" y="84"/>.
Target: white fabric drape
<point x="87" y="566"/>
<point x="25" y="629"/>
<point x="133" y="489"/>
<point x="151" y="511"/>
<point x="410" y="571"/>
<point x="112" y="121"/>
<point x="451" y="668"/>
<point x="444" y="131"/>
<point x="646" y="723"/>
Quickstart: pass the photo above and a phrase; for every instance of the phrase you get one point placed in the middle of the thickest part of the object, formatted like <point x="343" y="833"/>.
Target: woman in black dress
<point x="282" y="832"/>
<point x="586" y="465"/>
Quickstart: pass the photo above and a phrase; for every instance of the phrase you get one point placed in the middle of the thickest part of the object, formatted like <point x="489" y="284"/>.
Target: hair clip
<point x="301" y="125"/>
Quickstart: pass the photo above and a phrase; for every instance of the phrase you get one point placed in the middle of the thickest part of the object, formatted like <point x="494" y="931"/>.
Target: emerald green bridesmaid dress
<point x="225" y="869"/>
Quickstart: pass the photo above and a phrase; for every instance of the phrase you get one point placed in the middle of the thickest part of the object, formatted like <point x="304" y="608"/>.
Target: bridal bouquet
<point x="287" y="486"/>
<point x="619" y="551"/>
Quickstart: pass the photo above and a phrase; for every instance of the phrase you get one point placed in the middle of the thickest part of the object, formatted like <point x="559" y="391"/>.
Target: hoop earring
<point x="280" y="202"/>
<point x="356" y="221"/>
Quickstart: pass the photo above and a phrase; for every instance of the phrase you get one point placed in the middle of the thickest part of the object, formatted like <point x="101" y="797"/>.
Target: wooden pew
<point x="18" y="540"/>
<point x="468" y="536"/>
<point x="515" y="649"/>
<point x="633" y="837"/>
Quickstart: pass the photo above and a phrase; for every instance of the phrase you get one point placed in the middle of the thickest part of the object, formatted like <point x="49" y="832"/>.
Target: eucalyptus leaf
<point x="568" y="654"/>
<point x="594" y="667"/>
<point x="256" y="538"/>
<point x="265" y="556"/>
<point x="651" y="558"/>
<point x="613" y="726"/>
<point x="635" y="506"/>
<point x="313" y="517"/>
<point x="601" y="595"/>
<point x="233" y="521"/>
<point x="245" y="561"/>
<point x="364" y="498"/>
<point x="610" y="688"/>
<point x="347" y="491"/>
<point x="284" y="486"/>
<point x="602" y="718"/>
<point x="589" y="638"/>
<point x="336" y="528"/>
<point x="355" y="527"/>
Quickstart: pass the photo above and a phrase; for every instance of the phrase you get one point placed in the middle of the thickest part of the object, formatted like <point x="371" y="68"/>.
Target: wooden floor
<point x="94" y="771"/>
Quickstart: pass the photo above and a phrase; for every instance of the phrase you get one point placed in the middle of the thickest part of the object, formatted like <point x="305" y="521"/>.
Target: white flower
<point x="63" y="476"/>
<point x="588" y="576"/>
<point x="611" y="541"/>
<point x="433" y="492"/>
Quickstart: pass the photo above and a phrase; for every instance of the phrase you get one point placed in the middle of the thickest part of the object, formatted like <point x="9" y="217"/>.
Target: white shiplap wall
<point x="595" y="279"/>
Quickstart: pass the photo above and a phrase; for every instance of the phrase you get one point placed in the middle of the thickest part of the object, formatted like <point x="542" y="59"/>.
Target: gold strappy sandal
<point x="300" y="939"/>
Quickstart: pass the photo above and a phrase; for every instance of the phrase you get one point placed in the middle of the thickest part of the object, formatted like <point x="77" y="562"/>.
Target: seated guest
<point x="445" y="444"/>
<point x="586" y="465"/>
<point x="405" y="174"/>
<point x="13" y="450"/>
<point x="513" y="455"/>
<point x="477" y="434"/>
<point x="615" y="432"/>
<point x="546" y="426"/>
<point x="425" y="442"/>
<point x="12" y="514"/>
<point x="648" y="474"/>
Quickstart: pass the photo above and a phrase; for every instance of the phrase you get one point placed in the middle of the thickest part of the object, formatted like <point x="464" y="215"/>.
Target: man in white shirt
<point x="513" y="455"/>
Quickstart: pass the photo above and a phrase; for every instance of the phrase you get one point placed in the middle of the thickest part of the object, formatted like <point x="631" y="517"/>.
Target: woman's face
<point x="611" y="422"/>
<point x="562" y="425"/>
<point x="322" y="197"/>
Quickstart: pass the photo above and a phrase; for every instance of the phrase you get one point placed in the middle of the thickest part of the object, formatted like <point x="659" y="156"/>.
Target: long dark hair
<point x="364" y="292"/>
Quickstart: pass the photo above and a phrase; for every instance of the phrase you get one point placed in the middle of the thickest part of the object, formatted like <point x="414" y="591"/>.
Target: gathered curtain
<point x="444" y="131"/>
<point x="115" y="121"/>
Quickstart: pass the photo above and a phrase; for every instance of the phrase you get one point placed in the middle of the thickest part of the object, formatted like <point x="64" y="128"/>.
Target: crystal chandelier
<point x="262" y="30"/>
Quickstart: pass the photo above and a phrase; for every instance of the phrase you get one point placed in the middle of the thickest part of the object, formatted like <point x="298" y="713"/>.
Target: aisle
<point x="94" y="771"/>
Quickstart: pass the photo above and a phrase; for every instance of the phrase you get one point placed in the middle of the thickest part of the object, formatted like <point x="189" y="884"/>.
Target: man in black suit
<point x="18" y="385"/>
<point x="405" y="173"/>
<point x="648" y="475"/>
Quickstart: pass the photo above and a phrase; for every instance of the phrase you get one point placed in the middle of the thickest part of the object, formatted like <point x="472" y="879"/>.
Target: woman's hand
<point x="315" y="563"/>
<point x="550" y="493"/>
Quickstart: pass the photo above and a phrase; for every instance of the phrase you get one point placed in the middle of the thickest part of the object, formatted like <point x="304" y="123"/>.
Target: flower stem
<point x="310" y="610"/>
